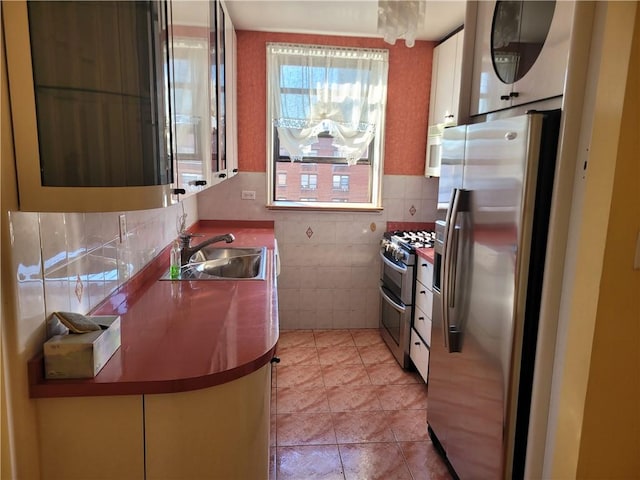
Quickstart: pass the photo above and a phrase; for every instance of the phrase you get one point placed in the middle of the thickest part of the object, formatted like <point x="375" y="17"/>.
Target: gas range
<point x="397" y="280"/>
<point x="400" y="244"/>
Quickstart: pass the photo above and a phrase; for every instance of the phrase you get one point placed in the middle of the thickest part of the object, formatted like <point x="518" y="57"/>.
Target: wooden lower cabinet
<point x="220" y="432"/>
<point x="97" y="438"/>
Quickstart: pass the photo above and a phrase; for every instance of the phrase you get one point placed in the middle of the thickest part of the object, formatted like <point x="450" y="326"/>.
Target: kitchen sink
<point x="224" y="263"/>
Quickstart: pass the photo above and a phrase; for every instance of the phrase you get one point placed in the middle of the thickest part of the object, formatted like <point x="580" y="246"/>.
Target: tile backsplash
<point x="82" y="257"/>
<point x="329" y="260"/>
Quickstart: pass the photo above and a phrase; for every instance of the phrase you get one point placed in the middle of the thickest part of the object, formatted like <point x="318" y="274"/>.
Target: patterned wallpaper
<point x="407" y="98"/>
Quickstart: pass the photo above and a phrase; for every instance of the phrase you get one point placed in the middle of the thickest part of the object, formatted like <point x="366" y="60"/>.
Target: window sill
<point x="325" y="206"/>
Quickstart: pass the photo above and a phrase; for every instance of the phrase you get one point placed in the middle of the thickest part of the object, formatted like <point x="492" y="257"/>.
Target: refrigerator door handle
<point x="446" y="260"/>
<point x="453" y="265"/>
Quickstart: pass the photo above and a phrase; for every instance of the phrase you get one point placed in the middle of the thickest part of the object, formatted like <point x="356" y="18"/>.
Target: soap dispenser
<point x="174" y="269"/>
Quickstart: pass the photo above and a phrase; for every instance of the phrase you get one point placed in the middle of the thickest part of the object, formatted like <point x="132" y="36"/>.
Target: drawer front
<point x="425" y="272"/>
<point x="419" y="354"/>
<point x="422" y="324"/>
<point x="424" y="299"/>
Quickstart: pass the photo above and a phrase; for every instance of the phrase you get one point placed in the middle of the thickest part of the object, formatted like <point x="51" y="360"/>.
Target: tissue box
<point x="82" y="355"/>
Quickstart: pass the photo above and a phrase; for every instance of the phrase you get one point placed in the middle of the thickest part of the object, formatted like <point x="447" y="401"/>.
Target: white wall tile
<point x="393" y="186"/>
<point x="53" y="240"/>
<point x="413" y="186"/>
<point x="76" y="234"/>
<point x="307" y="299"/>
<point x="341" y="255"/>
<point x="324" y="299"/>
<point x="289" y="298"/>
<point x="308" y="277"/>
<point x="394" y="209"/>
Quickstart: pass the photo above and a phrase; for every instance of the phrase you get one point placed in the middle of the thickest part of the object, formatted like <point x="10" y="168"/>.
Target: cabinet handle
<point x="235" y="170"/>
<point x="275" y="360"/>
<point x="424" y="264"/>
<point x="421" y="318"/>
<point x="417" y="343"/>
<point x="222" y="175"/>
<point x="200" y="183"/>
<point x="179" y="191"/>
<point x="514" y="94"/>
<point x="423" y="292"/>
<point x="505" y="97"/>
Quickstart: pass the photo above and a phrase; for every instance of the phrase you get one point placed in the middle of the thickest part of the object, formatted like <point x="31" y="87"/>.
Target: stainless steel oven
<point x="396" y="294"/>
<point x="397" y="285"/>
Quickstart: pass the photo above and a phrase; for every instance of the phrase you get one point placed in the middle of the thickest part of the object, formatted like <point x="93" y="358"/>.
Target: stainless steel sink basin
<point x="225" y="263"/>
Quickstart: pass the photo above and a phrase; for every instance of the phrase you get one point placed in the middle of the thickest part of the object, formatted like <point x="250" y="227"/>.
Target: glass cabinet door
<point x="89" y="104"/>
<point x="99" y="101"/>
<point x="190" y="92"/>
<point x="218" y="92"/>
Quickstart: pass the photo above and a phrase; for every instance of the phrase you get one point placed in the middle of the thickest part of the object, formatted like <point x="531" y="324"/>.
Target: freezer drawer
<point x="419" y="354"/>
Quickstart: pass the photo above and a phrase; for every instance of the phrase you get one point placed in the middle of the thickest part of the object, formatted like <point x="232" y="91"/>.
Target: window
<point x="341" y="182"/>
<point x="326" y="106"/>
<point x="308" y="181"/>
<point x="282" y="179"/>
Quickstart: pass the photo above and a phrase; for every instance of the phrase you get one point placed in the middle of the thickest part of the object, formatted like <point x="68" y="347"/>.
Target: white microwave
<point x="434" y="151"/>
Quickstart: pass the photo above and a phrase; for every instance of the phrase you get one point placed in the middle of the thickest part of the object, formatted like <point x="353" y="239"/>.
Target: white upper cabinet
<point x="223" y="83"/>
<point x="203" y="85"/>
<point x="89" y="104"/>
<point x="445" y="81"/>
<point x="190" y="95"/>
<point x="444" y="100"/>
<point x="232" y="99"/>
<point x="521" y="53"/>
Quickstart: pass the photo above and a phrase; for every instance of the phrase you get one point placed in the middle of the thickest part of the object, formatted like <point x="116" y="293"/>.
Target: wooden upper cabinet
<point x="89" y="104"/>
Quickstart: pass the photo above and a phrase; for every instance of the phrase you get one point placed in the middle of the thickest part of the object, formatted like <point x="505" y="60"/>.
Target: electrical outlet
<point x="248" y="195"/>
<point x="122" y="226"/>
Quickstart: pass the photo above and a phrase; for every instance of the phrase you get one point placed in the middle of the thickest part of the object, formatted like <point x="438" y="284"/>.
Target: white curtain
<point x="317" y="89"/>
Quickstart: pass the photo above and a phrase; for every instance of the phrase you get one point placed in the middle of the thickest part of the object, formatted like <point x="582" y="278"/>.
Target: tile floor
<point x="342" y="408"/>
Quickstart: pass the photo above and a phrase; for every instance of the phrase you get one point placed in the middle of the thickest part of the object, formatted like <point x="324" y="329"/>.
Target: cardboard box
<point x="82" y="355"/>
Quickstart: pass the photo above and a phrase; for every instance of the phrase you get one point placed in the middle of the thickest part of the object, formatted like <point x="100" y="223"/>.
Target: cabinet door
<point x="101" y="438"/>
<point x="88" y="104"/>
<point x="425" y="273"/>
<point x="545" y="77"/>
<point x="219" y="432"/>
<point x="218" y="84"/>
<point x="232" y="98"/>
<point x="447" y="81"/>
<point x="488" y="92"/>
<point x="521" y="53"/>
<point x="419" y="354"/>
<point x="189" y="86"/>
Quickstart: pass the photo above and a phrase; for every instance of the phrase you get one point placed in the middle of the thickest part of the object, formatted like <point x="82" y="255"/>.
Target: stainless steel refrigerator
<point x="495" y="195"/>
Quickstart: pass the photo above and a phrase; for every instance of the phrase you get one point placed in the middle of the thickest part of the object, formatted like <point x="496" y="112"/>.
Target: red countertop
<point x="183" y="335"/>
<point x="426" y="253"/>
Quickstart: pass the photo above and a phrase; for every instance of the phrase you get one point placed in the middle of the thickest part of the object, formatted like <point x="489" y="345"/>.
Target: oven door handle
<point x="392" y="265"/>
<point x="390" y="301"/>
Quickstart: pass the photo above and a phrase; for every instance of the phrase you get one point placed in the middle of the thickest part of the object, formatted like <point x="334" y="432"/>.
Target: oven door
<point x="395" y="324"/>
<point x="397" y="278"/>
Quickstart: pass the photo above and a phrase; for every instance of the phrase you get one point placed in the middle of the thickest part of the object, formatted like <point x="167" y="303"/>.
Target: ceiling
<point x="337" y="17"/>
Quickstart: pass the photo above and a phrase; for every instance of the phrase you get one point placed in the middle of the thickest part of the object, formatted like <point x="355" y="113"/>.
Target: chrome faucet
<point x="186" y="250"/>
